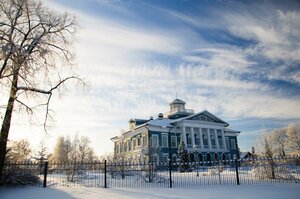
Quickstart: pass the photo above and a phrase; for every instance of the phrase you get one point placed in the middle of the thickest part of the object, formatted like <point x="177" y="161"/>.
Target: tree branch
<point x="48" y="92"/>
<point x="28" y="109"/>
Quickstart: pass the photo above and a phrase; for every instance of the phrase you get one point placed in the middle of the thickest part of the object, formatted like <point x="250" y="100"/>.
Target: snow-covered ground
<point x="262" y="191"/>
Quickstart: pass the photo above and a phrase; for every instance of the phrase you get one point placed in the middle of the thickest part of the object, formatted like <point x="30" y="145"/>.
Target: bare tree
<point x="109" y="157"/>
<point x="33" y="40"/>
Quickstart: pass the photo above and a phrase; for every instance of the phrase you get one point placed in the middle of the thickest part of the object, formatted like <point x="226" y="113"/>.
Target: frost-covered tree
<point x="19" y="151"/>
<point x="278" y="139"/>
<point x="86" y="152"/>
<point x="60" y="153"/>
<point x="283" y="141"/>
<point x="33" y="41"/>
<point x="293" y="138"/>
<point x="74" y="152"/>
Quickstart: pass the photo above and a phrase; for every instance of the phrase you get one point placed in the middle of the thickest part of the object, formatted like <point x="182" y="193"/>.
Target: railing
<point x="176" y="110"/>
<point x="111" y="174"/>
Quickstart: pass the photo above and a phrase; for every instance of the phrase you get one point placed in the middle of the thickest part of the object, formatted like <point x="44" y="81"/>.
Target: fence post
<point x="45" y="174"/>
<point x="170" y="172"/>
<point x="105" y="171"/>
<point x="237" y="171"/>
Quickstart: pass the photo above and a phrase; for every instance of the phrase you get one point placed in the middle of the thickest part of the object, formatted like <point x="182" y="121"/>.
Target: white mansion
<point x="206" y="137"/>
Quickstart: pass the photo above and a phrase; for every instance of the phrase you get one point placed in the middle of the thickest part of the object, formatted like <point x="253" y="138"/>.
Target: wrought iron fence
<point x="112" y="174"/>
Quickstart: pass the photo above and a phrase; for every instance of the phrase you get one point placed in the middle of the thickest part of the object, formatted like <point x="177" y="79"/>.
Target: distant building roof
<point x="138" y="121"/>
<point x="245" y="155"/>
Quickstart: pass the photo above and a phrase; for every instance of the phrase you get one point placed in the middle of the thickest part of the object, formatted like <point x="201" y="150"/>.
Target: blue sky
<point x="240" y="60"/>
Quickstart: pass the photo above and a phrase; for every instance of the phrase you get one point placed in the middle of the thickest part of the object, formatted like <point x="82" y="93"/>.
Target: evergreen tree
<point x="184" y="158"/>
<point x="42" y="154"/>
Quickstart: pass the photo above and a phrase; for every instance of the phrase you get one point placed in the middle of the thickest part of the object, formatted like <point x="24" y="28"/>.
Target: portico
<point x="194" y="136"/>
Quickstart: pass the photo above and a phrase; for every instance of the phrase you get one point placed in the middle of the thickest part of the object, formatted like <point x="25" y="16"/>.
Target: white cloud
<point x="278" y="38"/>
<point x="114" y="57"/>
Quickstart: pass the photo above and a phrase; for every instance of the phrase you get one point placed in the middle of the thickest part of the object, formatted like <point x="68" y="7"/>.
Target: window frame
<point x="176" y="143"/>
<point x="157" y="141"/>
<point x="164" y="140"/>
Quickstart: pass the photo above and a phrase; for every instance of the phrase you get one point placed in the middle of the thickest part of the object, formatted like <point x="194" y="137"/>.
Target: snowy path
<point x="265" y="191"/>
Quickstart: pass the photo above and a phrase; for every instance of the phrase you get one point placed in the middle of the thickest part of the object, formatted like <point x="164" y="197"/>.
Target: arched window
<point x="216" y="158"/>
<point x="200" y="158"/>
<point x="224" y="159"/>
<point x="192" y="157"/>
<point x="208" y="159"/>
<point x="174" y="158"/>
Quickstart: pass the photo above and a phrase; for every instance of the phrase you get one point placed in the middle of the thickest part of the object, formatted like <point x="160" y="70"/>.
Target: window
<point x="212" y="138"/>
<point x="188" y="136"/>
<point x="155" y="140"/>
<point x="174" y="158"/>
<point x="189" y="139"/>
<point x="139" y="141"/>
<point x="220" y="138"/>
<point x="174" y="141"/>
<point x="227" y="142"/>
<point x="125" y="146"/>
<point x="164" y="139"/>
<point x="134" y="144"/>
<point x="197" y="139"/>
<point x="204" y="118"/>
<point x="232" y="144"/>
<point x="117" y="148"/>
<point x="197" y="136"/>
<point x="165" y="158"/>
<point x="129" y="145"/>
<point x="205" y="138"/>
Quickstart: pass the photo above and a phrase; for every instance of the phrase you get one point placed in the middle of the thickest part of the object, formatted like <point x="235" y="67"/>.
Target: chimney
<point x="160" y="116"/>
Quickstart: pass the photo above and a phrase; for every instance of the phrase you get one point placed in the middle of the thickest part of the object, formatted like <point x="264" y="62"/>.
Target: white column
<point x="193" y="136"/>
<point x="209" y="141"/>
<point x="223" y="139"/>
<point x="184" y="136"/>
<point x="201" y="139"/>
<point x="217" y="141"/>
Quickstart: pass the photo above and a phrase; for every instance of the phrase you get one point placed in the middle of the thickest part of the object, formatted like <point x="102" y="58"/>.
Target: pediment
<point x="203" y="117"/>
<point x="206" y="116"/>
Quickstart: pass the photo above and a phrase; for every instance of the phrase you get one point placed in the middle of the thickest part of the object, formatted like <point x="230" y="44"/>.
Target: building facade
<point x="205" y="136"/>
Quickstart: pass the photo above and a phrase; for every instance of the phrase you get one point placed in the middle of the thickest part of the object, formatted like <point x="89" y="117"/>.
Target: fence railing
<point x="121" y="174"/>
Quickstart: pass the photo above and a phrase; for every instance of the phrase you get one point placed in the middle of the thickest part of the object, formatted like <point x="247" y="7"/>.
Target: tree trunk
<point x="7" y="120"/>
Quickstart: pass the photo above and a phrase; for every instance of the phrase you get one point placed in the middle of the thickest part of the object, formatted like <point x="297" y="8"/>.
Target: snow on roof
<point x="163" y="122"/>
<point x="232" y="130"/>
